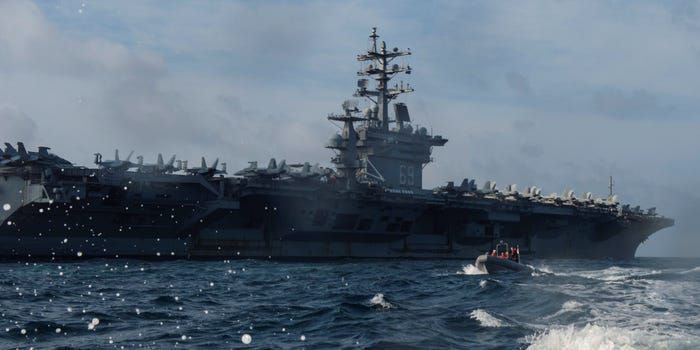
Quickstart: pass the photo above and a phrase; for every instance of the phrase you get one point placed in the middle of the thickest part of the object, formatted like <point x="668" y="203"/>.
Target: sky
<point x="558" y="94"/>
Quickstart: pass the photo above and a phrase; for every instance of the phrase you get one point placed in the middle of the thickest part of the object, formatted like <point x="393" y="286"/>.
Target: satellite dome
<point x="335" y="141"/>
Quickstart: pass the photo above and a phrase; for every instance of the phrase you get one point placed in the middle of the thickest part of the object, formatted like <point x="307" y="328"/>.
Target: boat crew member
<point x="515" y="255"/>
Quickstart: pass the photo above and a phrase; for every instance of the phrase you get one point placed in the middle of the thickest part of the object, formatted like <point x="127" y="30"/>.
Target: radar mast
<point x="382" y="72"/>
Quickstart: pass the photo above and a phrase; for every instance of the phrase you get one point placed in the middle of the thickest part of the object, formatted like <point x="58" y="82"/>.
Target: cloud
<point x="523" y="125"/>
<point x="28" y="41"/>
<point x="533" y="151"/>
<point x="519" y="83"/>
<point x="636" y="104"/>
<point x="15" y="125"/>
<point x="143" y="113"/>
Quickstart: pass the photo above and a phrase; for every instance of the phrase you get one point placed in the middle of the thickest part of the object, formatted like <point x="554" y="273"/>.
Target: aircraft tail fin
<point x="9" y="149"/>
<point x="20" y="149"/>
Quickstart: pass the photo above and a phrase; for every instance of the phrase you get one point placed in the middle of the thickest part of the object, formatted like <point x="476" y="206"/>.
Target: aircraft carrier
<point x="370" y="204"/>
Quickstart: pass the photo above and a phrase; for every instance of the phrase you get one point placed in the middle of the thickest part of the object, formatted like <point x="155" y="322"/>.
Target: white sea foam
<point x="571" y="305"/>
<point x="486" y="319"/>
<point x="610" y="274"/>
<point x="695" y="269"/>
<point x="568" y="306"/>
<point x="616" y="273"/>
<point x="482" y="283"/>
<point x="538" y="271"/>
<point x="378" y="299"/>
<point x="471" y="270"/>
<point x="545" y="269"/>
<point x="600" y="337"/>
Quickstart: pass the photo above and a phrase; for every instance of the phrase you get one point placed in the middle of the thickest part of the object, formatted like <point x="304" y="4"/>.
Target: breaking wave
<point x="378" y="299"/>
<point x="486" y="319"/>
<point x="568" y="307"/>
<point x="571" y="305"/>
<point x="471" y="270"/>
<point x="592" y="336"/>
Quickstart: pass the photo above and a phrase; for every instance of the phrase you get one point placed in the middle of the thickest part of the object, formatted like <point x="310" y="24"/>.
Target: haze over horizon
<point x="556" y="94"/>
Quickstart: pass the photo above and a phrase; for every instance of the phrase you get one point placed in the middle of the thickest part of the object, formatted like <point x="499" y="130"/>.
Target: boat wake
<point x="592" y="336"/>
<point x="471" y="270"/>
<point x="693" y="270"/>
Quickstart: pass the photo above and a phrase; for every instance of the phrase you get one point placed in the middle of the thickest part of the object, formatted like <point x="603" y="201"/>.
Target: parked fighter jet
<point x="10" y="155"/>
<point x="116" y="164"/>
<point x="248" y="171"/>
<point x="206" y="171"/>
<point x="20" y="156"/>
<point x="304" y="171"/>
<point x="272" y="170"/>
<point x="159" y="168"/>
<point x="489" y="188"/>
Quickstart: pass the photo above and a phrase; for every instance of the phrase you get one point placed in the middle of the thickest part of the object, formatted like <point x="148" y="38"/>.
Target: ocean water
<point x="646" y="303"/>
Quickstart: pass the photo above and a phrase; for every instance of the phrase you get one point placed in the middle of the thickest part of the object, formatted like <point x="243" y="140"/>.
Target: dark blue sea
<point x="646" y="303"/>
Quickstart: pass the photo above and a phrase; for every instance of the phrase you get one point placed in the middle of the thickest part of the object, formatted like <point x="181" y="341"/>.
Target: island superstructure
<point x="371" y="204"/>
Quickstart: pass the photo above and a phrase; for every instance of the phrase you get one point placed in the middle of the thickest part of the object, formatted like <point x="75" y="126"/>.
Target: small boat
<point x="500" y="261"/>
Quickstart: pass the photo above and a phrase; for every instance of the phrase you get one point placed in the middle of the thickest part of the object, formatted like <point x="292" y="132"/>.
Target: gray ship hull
<point x="299" y="221"/>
